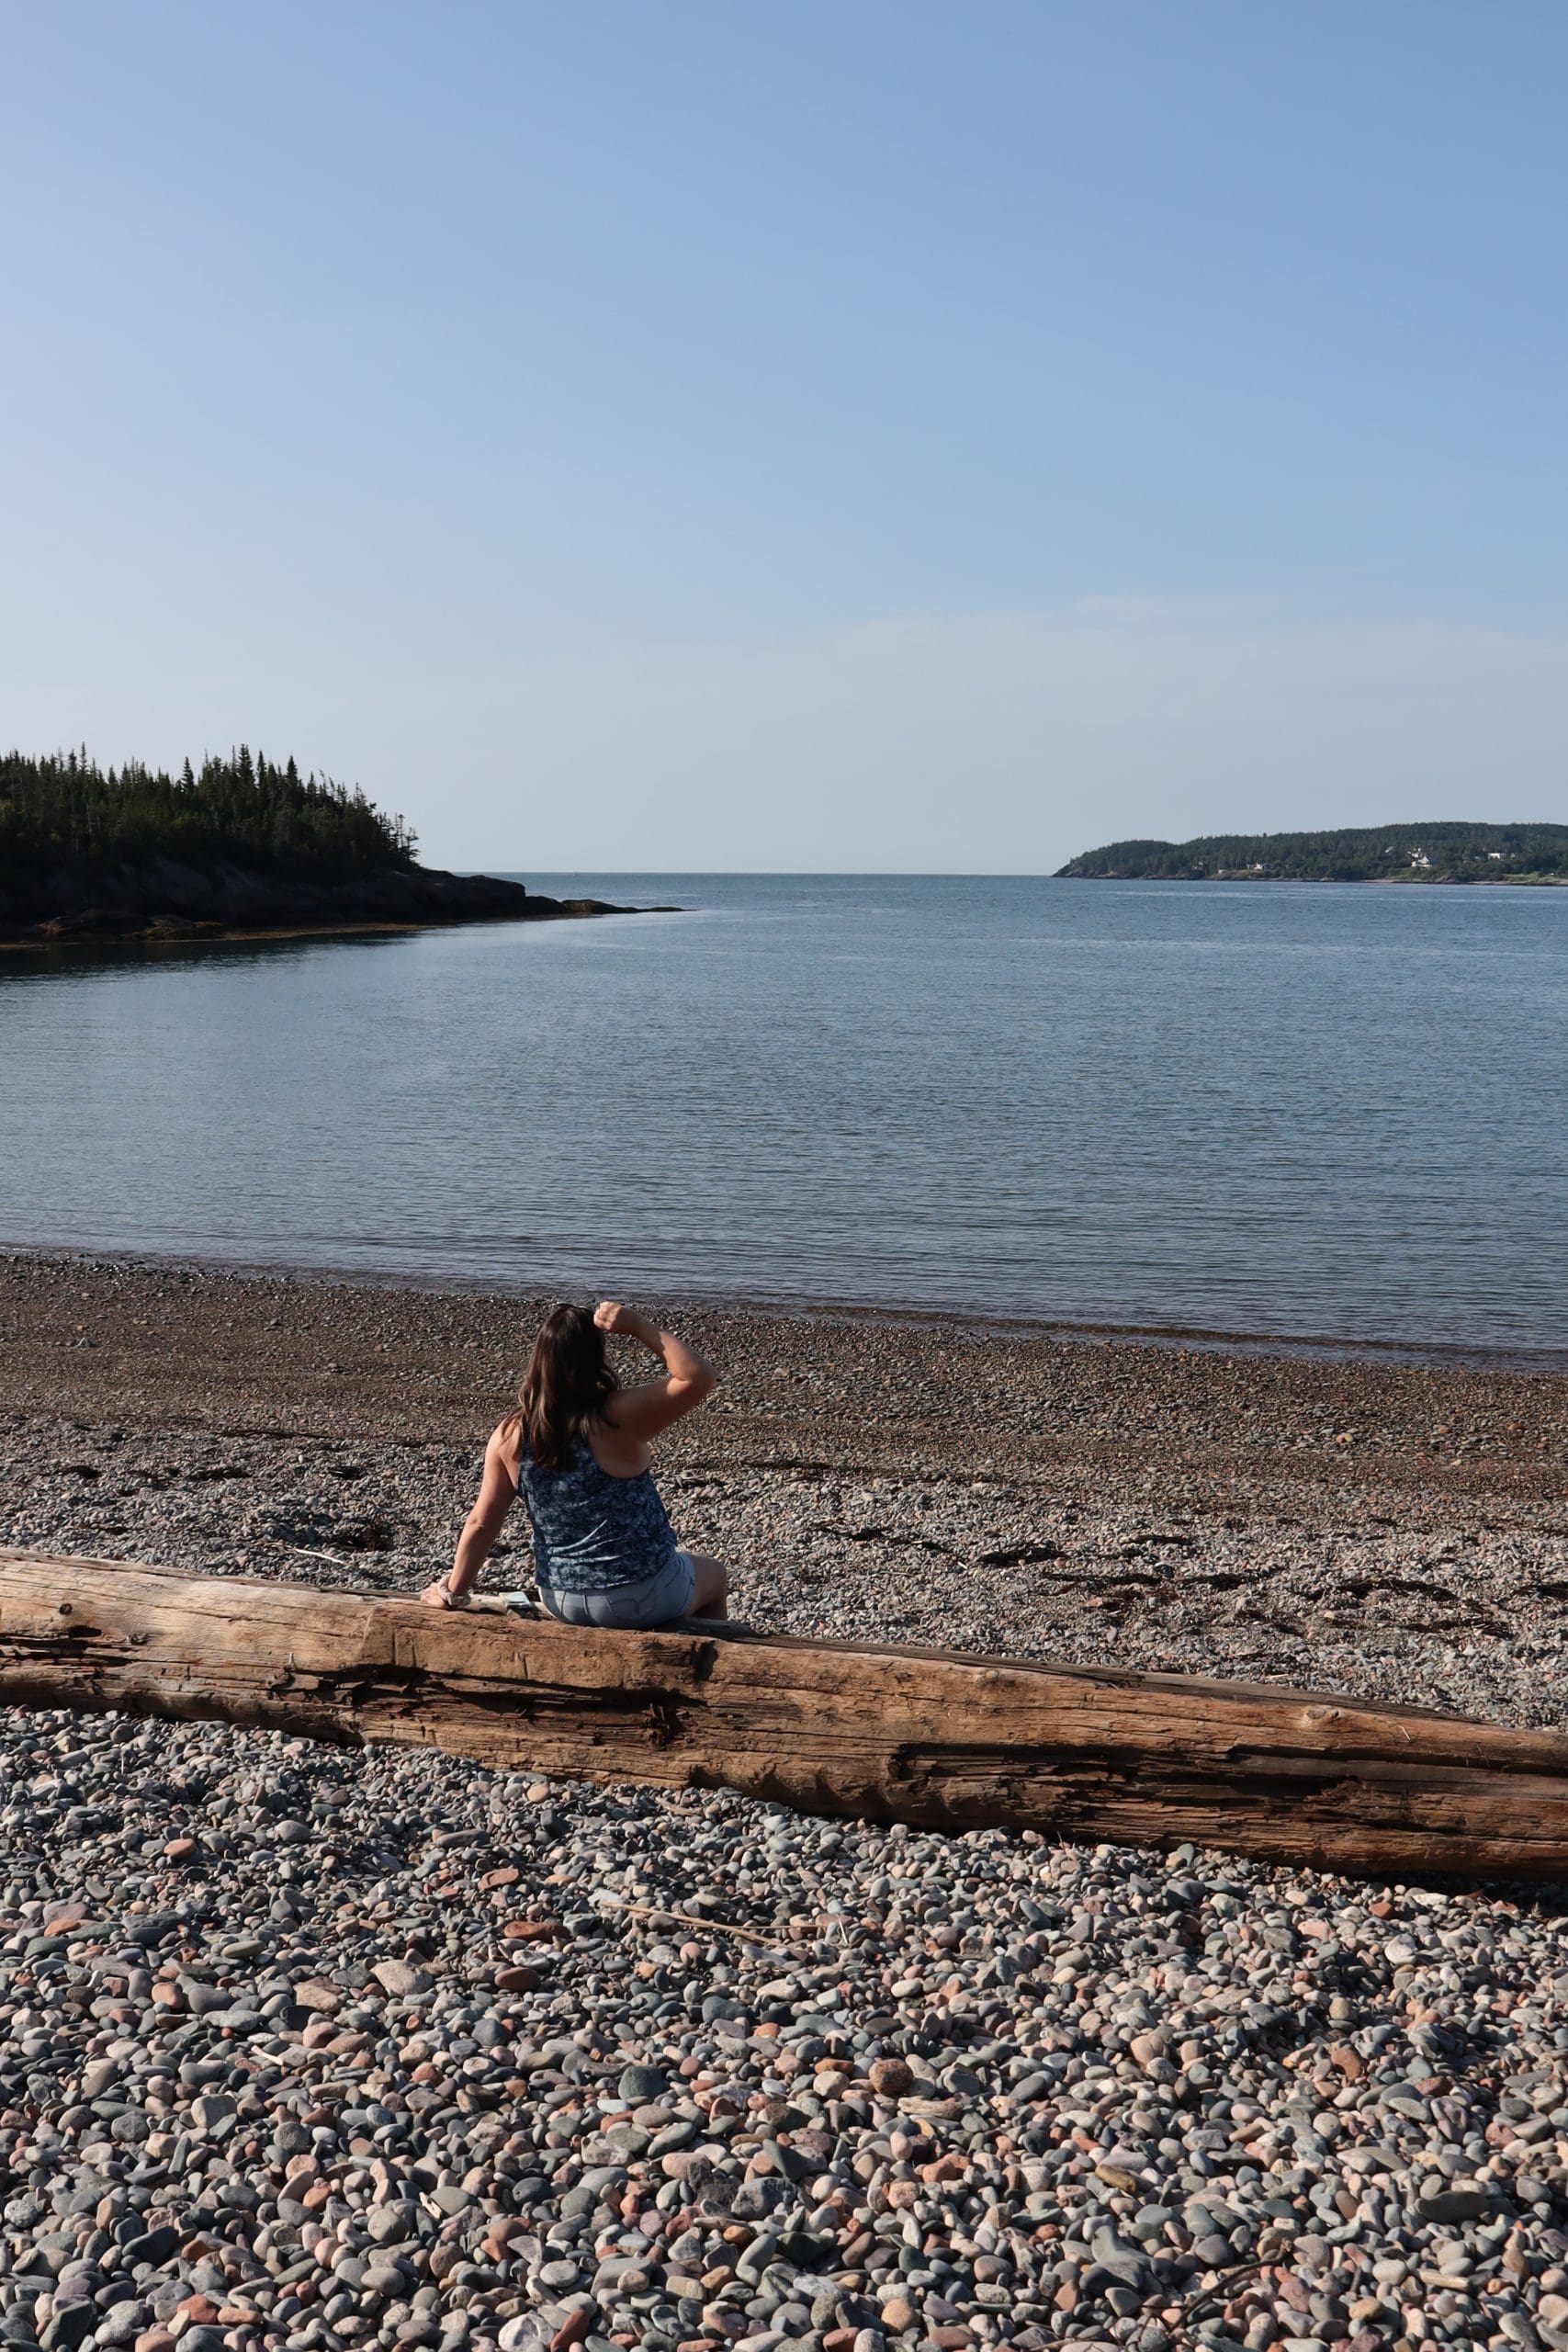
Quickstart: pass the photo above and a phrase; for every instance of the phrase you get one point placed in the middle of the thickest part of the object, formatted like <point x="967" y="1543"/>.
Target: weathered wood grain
<point x="926" y="1737"/>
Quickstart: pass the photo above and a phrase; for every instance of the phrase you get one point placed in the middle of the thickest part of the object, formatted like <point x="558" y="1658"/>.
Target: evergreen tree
<point x="67" y="811"/>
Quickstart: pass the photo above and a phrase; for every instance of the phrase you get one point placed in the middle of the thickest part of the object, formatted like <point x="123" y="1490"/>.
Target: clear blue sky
<point x="802" y="436"/>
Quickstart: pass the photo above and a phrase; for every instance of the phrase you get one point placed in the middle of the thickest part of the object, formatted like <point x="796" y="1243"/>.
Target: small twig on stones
<point x="1225" y="2280"/>
<point x="680" y="1919"/>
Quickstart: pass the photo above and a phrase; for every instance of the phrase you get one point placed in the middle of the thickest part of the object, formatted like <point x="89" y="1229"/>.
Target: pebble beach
<point x="305" y="2047"/>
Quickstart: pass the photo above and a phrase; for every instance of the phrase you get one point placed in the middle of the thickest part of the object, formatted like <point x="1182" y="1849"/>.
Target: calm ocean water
<point x="1275" y="1109"/>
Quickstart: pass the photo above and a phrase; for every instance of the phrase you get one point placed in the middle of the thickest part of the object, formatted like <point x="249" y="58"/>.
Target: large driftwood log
<point x="925" y="1737"/>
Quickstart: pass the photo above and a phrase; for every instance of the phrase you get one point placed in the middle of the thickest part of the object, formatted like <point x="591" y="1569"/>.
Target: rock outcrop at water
<point x="244" y="845"/>
<point x="160" y="897"/>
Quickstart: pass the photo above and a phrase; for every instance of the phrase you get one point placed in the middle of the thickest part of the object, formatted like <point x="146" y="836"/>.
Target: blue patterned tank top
<point x="593" y="1531"/>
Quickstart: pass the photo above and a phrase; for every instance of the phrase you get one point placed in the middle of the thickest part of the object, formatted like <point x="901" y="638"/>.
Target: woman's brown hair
<point x="565" y="1387"/>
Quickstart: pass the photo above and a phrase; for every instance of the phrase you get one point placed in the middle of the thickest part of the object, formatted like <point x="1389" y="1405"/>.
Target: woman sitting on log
<point x="577" y="1450"/>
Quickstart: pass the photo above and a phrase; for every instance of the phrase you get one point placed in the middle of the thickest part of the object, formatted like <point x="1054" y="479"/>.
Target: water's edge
<point x="764" y="1307"/>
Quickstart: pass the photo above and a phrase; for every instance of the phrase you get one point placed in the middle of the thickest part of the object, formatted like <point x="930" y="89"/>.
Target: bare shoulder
<point x="642" y="1414"/>
<point x="614" y="1440"/>
<point x="623" y="1404"/>
<point x="506" y="1442"/>
<point x="626" y="1412"/>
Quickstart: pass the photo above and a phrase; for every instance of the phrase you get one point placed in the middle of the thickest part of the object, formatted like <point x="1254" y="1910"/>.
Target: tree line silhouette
<point x="64" y="809"/>
<point x="1445" y="852"/>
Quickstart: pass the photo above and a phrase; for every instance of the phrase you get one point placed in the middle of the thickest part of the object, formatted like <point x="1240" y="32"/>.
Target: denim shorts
<point x="658" y="1600"/>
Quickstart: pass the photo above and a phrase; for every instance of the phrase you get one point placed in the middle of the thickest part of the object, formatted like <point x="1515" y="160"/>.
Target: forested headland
<point x="65" y="809"/>
<point x="1448" y="852"/>
<point x="240" y="843"/>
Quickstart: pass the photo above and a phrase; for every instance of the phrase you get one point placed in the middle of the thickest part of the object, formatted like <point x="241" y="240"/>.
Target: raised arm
<point x="641" y="1413"/>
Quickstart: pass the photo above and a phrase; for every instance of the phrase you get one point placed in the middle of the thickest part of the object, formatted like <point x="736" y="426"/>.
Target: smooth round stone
<point x="640" y="2085"/>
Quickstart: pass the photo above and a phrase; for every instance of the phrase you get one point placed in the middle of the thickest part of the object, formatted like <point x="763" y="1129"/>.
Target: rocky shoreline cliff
<point x="159" y="898"/>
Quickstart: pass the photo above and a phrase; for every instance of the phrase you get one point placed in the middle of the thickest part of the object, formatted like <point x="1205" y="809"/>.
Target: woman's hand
<point x="440" y="1594"/>
<point x="611" y="1316"/>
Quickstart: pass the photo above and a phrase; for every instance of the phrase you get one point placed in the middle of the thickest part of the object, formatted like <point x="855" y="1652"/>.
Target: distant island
<point x="1438" y="852"/>
<point x="240" y="846"/>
